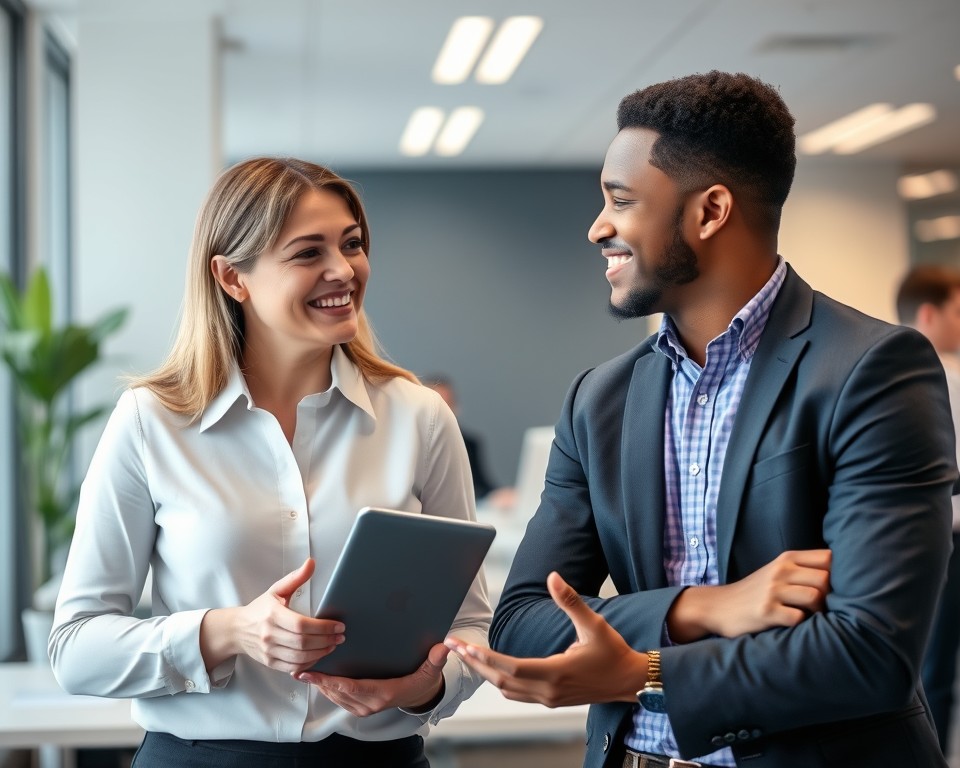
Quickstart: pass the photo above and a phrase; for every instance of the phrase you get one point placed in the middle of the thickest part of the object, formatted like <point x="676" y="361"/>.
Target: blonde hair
<point x="240" y="218"/>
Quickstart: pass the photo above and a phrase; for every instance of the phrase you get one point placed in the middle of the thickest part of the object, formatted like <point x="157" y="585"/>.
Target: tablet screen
<point x="397" y="587"/>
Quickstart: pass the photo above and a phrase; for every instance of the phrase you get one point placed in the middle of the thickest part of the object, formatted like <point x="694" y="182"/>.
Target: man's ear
<point x="229" y="279"/>
<point x="714" y="207"/>
<point x="926" y="314"/>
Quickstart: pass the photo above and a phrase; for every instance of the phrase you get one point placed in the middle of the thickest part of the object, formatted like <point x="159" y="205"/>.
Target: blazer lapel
<point x="776" y="356"/>
<point x="644" y="493"/>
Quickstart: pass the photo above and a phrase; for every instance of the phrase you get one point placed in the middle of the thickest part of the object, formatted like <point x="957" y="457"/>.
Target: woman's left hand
<point x="367" y="697"/>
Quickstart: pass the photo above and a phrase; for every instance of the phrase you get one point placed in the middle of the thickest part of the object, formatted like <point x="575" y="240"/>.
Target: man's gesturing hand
<point x="598" y="667"/>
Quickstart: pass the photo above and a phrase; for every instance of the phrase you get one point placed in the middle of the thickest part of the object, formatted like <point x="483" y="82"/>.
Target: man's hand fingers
<point x="811" y="558"/>
<point x="572" y="604"/>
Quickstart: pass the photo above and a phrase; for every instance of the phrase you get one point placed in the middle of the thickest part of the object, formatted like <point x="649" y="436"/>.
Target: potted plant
<point x="44" y="359"/>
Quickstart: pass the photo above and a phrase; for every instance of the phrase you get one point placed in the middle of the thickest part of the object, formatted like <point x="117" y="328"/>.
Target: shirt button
<point x="293" y="514"/>
<point x="694" y="541"/>
<point x="189" y="685"/>
<point x="293" y="696"/>
<point x="694" y="469"/>
<point x="298" y="592"/>
<point x="703" y="399"/>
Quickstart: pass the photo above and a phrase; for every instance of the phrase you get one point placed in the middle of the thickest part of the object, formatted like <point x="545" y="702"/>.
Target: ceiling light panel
<point x="508" y="48"/>
<point x="922" y="185"/>
<point x="461" y="49"/>
<point x="823" y="139"/>
<point x="895" y="124"/>
<point x="421" y="130"/>
<point x="458" y="131"/>
<point x="941" y="228"/>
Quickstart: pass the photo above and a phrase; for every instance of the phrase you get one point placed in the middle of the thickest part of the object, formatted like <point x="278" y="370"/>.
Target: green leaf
<point x="108" y="324"/>
<point x="10" y="304"/>
<point x="77" y="421"/>
<point x="37" y="309"/>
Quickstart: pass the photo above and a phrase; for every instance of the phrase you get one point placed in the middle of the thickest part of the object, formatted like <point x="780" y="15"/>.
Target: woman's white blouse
<point x="221" y="509"/>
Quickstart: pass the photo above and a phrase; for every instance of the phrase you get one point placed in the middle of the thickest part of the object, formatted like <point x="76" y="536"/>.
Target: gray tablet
<point x="397" y="587"/>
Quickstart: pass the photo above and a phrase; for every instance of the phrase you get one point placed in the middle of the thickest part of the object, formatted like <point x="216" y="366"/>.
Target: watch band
<point x="653" y="670"/>
<point x="650" y="697"/>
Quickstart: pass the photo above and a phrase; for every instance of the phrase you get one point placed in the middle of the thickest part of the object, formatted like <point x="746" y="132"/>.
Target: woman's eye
<point x="355" y="244"/>
<point x="310" y="253"/>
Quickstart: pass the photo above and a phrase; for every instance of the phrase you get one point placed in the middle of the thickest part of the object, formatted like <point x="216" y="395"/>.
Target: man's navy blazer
<point x="843" y="439"/>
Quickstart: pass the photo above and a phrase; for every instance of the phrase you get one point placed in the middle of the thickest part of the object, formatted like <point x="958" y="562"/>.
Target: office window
<point x="11" y="254"/>
<point x="55" y="244"/>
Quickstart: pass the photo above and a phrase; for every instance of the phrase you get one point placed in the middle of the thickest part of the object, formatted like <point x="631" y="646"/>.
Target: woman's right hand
<point x="268" y="631"/>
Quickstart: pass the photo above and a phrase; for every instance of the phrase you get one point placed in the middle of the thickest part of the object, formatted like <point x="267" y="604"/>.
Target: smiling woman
<point x="250" y="451"/>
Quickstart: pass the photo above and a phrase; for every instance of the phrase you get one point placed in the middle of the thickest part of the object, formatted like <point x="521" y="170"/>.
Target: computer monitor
<point x="532" y="468"/>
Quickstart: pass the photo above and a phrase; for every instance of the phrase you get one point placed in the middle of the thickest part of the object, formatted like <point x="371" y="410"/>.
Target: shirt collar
<point x="746" y="326"/>
<point x="345" y="378"/>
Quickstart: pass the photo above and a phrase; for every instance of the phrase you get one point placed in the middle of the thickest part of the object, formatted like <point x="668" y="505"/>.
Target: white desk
<point x="35" y="712"/>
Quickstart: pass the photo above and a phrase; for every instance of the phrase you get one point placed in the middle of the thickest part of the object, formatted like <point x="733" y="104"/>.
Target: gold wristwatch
<point x="651" y="697"/>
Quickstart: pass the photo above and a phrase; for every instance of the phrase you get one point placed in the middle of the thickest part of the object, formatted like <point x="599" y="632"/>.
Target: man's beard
<point x="678" y="267"/>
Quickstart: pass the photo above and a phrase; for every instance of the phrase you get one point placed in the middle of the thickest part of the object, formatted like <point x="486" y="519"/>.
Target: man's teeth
<point x="616" y="261"/>
<point x="334" y="301"/>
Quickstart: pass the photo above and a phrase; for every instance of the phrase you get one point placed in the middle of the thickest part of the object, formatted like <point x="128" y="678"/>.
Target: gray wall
<point x="489" y="278"/>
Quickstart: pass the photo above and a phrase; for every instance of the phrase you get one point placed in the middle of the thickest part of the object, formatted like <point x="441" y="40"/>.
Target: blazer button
<point x="743" y="735"/>
<point x="717" y="741"/>
<point x="606" y="742"/>
<point x="756" y="733"/>
<point x="730" y="737"/>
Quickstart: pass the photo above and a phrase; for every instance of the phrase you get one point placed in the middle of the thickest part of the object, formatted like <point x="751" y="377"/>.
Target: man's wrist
<point x="634" y="677"/>
<point x="688" y="617"/>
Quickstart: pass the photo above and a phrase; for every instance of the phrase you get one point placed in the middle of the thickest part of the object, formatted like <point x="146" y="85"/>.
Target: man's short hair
<point x="925" y="284"/>
<point x="731" y="129"/>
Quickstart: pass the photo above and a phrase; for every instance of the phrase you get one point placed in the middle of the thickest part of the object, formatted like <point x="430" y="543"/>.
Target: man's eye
<point x="618" y="202"/>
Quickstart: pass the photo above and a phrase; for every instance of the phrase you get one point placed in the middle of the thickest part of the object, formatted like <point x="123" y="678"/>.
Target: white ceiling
<point x="336" y="80"/>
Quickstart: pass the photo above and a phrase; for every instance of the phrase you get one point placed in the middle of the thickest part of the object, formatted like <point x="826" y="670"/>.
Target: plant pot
<point x="36" y="631"/>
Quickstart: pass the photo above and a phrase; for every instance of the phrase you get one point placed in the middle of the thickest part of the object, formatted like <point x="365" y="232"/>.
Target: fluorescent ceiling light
<point x="824" y="138"/>
<point x="895" y="124"/>
<point x="956" y="72"/>
<point x="460" y="50"/>
<point x="508" y="48"/>
<point x="866" y="127"/>
<point x="920" y="185"/>
<point x="941" y="228"/>
<point x="421" y="130"/>
<point x="459" y="130"/>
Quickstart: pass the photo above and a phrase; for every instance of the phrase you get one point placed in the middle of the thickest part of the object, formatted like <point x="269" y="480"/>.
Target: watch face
<point x="652" y="700"/>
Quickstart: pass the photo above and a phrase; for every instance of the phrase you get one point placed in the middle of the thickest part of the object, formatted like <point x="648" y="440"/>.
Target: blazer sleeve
<point x="562" y="536"/>
<point x="888" y="446"/>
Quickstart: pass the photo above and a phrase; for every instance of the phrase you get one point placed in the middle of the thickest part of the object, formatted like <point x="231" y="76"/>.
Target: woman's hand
<point x="268" y="631"/>
<point x="420" y="690"/>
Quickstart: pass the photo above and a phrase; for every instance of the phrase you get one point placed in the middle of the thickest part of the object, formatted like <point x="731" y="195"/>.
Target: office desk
<point x="35" y="712"/>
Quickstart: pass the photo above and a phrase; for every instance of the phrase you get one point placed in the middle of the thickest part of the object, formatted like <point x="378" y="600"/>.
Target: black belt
<point x="643" y="760"/>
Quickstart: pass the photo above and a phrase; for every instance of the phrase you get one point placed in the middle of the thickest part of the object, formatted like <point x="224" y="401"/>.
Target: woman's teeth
<point x="332" y="301"/>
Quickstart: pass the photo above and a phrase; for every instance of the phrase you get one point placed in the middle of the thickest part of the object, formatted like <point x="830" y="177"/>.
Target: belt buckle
<point x="676" y="762"/>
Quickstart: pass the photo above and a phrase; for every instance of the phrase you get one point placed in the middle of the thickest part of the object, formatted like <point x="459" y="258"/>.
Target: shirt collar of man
<point x="345" y="378"/>
<point x="746" y="326"/>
